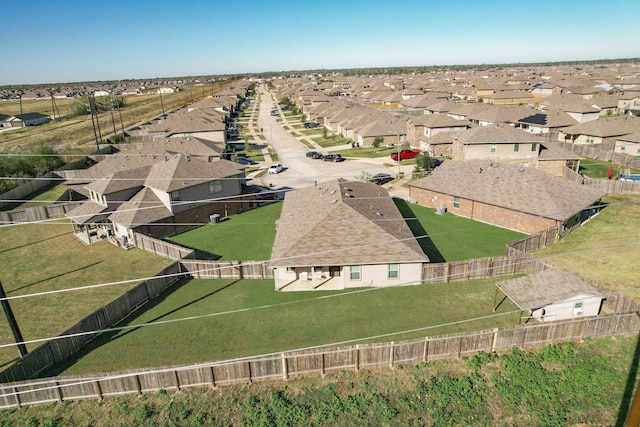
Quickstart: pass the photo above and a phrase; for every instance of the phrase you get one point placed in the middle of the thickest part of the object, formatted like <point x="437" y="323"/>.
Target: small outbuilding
<point x="552" y="295"/>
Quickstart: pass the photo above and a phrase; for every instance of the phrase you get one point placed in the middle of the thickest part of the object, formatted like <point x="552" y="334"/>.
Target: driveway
<point x="301" y="171"/>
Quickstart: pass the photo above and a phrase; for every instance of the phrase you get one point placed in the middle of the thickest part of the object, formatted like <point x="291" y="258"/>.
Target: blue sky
<point x="68" y="41"/>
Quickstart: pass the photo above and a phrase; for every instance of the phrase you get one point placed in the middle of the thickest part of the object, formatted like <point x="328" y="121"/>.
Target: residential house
<point x="431" y="125"/>
<point x="553" y="295"/>
<point x="202" y="123"/>
<point x="628" y="144"/>
<point x="342" y="234"/>
<point x="504" y="143"/>
<point x="599" y="131"/>
<point x="510" y="196"/>
<point x="26" y="119"/>
<point x="545" y="122"/>
<point x="629" y="105"/>
<point x="168" y="195"/>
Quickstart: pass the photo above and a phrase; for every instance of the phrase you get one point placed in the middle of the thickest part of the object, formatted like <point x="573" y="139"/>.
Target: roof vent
<point x="348" y="195"/>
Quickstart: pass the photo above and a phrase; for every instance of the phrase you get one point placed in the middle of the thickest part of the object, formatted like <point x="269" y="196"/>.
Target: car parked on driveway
<point x="335" y="157"/>
<point x="381" y="178"/>
<point x="314" y="154"/>
<point x="405" y="154"/>
<point x="276" y="168"/>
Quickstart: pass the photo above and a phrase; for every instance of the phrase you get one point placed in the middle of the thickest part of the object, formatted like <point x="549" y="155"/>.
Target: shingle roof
<point x="119" y="181"/>
<point x="178" y="171"/>
<point x="517" y="188"/>
<point x="143" y="208"/>
<point x="496" y="135"/>
<point x="88" y="212"/>
<point x="540" y="289"/>
<point x="614" y="126"/>
<point x="340" y="223"/>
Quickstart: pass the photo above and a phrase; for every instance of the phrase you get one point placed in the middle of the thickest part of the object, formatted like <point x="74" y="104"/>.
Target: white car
<point x="275" y="168"/>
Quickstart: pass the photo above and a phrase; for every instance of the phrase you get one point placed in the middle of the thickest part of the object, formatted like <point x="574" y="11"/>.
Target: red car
<point x="405" y="154"/>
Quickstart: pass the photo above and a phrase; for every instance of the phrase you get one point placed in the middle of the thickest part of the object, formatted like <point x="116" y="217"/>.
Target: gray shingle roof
<point x="544" y="288"/>
<point x="521" y="189"/>
<point x="143" y="208"/>
<point x="178" y="171"/>
<point x="342" y="223"/>
<point x="496" y="135"/>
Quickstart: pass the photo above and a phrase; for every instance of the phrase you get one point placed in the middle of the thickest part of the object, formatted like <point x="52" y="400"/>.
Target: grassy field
<point x="606" y="249"/>
<point x="46" y="257"/>
<point x="331" y="142"/>
<point x="594" y="168"/>
<point x="248" y="317"/>
<point x="569" y="385"/>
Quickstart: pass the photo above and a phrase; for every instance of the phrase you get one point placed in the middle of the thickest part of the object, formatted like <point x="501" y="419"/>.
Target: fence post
<point x="96" y="386"/>
<point x="426" y="350"/>
<point x="175" y="375"/>
<point x="285" y="372"/>
<point x="15" y="393"/>
<point x="459" y="347"/>
<point x="213" y="377"/>
<point x="356" y="357"/>
<point x="249" y="369"/>
<point x="138" y="386"/>
<point x="494" y="339"/>
<point x="58" y="391"/>
<point x="391" y="355"/>
<point x="446" y="272"/>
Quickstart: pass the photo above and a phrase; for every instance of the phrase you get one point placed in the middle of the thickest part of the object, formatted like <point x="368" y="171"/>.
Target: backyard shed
<point x="553" y="295"/>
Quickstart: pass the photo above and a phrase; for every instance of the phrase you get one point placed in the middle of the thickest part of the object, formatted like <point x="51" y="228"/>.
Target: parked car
<point x="310" y="125"/>
<point x="276" y="168"/>
<point x="381" y="178"/>
<point x="246" y="161"/>
<point x="314" y="154"/>
<point x="405" y="154"/>
<point x="267" y="195"/>
<point x="335" y="157"/>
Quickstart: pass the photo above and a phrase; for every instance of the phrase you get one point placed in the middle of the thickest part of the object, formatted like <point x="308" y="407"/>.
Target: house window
<point x="291" y="270"/>
<point x="175" y="196"/>
<point x="354" y="272"/>
<point x="534" y="147"/>
<point x="590" y="139"/>
<point x="215" y="186"/>
<point x="516" y="147"/>
<point x="494" y="148"/>
<point x="577" y="309"/>
<point x="393" y="272"/>
<point x="623" y="147"/>
<point x="456" y="202"/>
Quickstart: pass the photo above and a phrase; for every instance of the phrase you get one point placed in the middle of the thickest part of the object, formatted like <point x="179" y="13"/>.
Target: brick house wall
<point x="490" y="214"/>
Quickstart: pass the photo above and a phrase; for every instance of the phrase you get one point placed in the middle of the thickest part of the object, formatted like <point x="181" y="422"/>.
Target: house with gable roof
<point x="169" y="195"/>
<point x="341" y="234"/>
<point x="510" y="196"/>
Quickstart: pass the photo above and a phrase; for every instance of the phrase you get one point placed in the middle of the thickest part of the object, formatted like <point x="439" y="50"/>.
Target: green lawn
<point x="46" y="257"/>
<point x="331" y="142"/>
<point x="235" y="318"/>
<point x="247" y="236"/>
<point x="44" y="197"/>
<point x="593" y="168"/>
<point x="369" y="152"/>
<point x="453" y="238"/>
<point x="606" y="248"/>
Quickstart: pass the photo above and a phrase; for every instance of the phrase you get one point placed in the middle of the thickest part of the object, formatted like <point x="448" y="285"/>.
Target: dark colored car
<point x="381" y="178"/>
<point x="246" y="161"/>
<point x="314" y="154"/>
<point x="333" y="158"/>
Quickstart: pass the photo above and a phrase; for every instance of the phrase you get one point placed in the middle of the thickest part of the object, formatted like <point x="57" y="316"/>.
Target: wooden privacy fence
<point x="162" y="248"/>
<point x="228" y="270"/>
<point x="37" y="213"/>
<point x="313" y="362"/>
<point x="613" y="185"/>
<point x="480" y="268"/>
<point x="75" y="338"/>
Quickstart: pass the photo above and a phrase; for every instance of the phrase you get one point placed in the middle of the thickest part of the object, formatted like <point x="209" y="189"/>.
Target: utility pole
<point x="97" y="120"/>
<point x="17" y="335"/>
<point x="95" y="133"/>
<point x="161" y="103"/>
<point x="113" y="121"/>
<point x="21" y="115"/>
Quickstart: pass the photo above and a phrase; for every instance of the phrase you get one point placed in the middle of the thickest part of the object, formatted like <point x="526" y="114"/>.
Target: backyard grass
<point x="594" y="168"/>
<point x="46" y="257"/>
<point x="234" y="318"/>
<point x="247" y="236"/>
<point x="453" y="238"/>
<point x="606" y="249"/>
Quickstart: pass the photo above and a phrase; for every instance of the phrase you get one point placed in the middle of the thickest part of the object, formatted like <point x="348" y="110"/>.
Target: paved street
<point x="301" y="171"/>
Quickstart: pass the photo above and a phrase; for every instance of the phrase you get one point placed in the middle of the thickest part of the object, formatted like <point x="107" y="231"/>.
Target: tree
<point x="377" y="141"/>
<point x="424" y="163"/>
